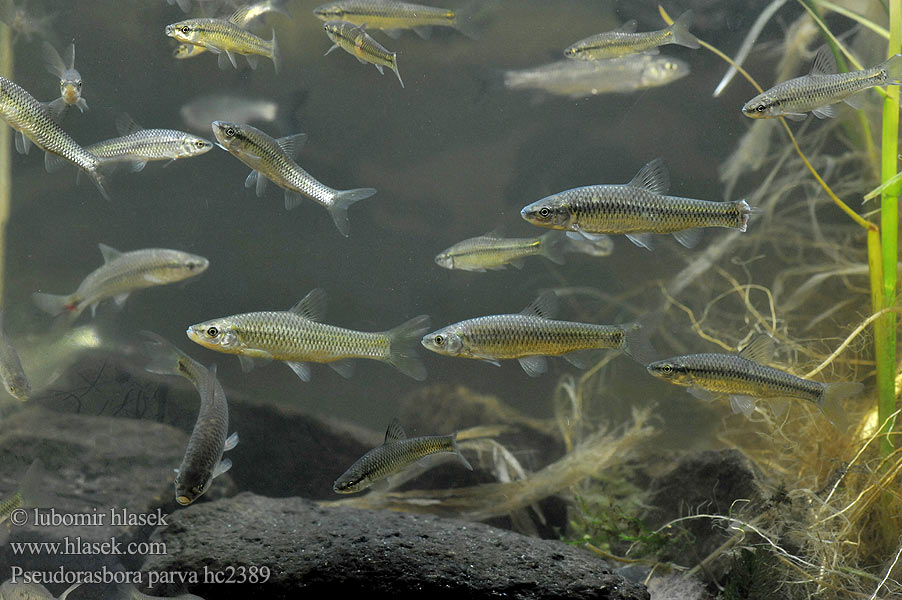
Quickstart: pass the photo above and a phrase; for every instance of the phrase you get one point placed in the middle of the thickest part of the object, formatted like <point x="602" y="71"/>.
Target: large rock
<point x="315" y="550"/>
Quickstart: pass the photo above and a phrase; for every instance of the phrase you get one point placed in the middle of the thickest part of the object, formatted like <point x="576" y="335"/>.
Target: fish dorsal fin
<point x="292" y="144"/>
<point x="628" y="27"/>
<point x="69" y="57"/>
<point x="495" y="234"/>
<point x="759" y="350"/>
<point x="109" y="253"/>
<point x="824" y="62"/>
<point x="394" y="433"/>
<point x="653" y="177"/>
<point x="312" y="306"/>
<point x="545" y="306"/>
<point x="126" y="125"/>
<point x="239" y="17"/>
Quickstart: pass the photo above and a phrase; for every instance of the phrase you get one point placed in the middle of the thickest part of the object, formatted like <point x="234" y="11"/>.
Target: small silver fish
<point x="137" y="145"/>
<point x="393" y="456"/>
<point x="11" y="371"/>
<point x="203" y="460"/>
<point x="253" y="11"/>
<point x="624" y="41"/>
<point x="745" y="379"/>
<point x="30" y="493"/>
<point x="393" y="17"/>
<point x="34" y="122"/>
<point x="638" y="209"/>
<point x="297" y="337"/>
<point x="821" y="89"/>
<point x="200" y="112"/>
<point x="532" y="334"/>
<point x="121" y="274"/>
<point x="354" y="40"/>
<point x="69" y="78"/>
<point x="491" y="251"/>
<point x="274" y="160"/>
<point x="581" y="79"/>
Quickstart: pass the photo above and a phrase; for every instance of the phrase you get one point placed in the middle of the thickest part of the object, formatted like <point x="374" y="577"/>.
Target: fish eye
<point x="200" y="143"/>
<point x="666" y="368"/>
<point x="545" y="212"/>
<point x="212" y="332"/>
<point x="760" y="108"/>
<point x="230" y="131"/>
<point x="439" y="340"/>
<point x="185" y="29"/>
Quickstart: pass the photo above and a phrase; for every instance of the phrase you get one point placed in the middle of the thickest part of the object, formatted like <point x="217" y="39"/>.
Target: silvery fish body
<point x="34" y="122"/>
<point x="297" y="336"/>
<point x="139" y="146"/>
<point x="200" y="112"/>
<point x="624" y="41"/>
<point x="580" y="79"/>
<point x="529" y="336"/>
<point x="121" y="274"/>
<point x="394" y="16"/>
<point x="69" y="79"/>
<point x="354" y="40"/>
<point x="252" y="12"/>
<point x="637" y="209"/>
<point x="11" y="371"/>
<point x="491" y="251"/>
<point x="823" y="87"/>
<point x="209" y="439"/>
<point x="274" y="160"/>
<point x="393" y="456"/>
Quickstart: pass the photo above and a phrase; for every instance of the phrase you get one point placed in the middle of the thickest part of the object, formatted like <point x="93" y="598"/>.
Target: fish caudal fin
<point x="457" y="453"/>
<point x="637" y="339"/>
<point x="55" y="304"/>
<point x="275" y="56"/>
<point x="893" y="66"/>
<point x="402" y="344"/>
<point x="340" y="204"/>
<point x="832" y="398"/>
<point x="552" y="246"/>
<point x="163" y="357"/>
<point x="465" y="20"/>
<point x="680" y="29"/>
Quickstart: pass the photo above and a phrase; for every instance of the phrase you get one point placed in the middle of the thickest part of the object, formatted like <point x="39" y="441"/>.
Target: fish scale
<point x="390" y="458"/>
<point x="147" y="144"/>
<point x="385" y="14"/>
<point x="805" y="93"/>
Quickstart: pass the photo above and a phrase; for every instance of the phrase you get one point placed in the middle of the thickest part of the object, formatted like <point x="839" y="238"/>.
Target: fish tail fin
<point x="163" y="357"/>
<point x="465" y="20"/>
<point x="55" y="304"/>
<point x="893" y="66"/>
<point x="458" y="453"/>
<point x="276" y="57"/>
<point x="340" y="204"/>
<point x="745" y="212"/>
<point x="552" y="246"/>
<point x="403" y="341"/>
<point x="637" y="339"/>
<point x="99" y="180"/>
<point x="394" y="67"/>
<point x="832" y="398"/>
<point x="680" y="30"/>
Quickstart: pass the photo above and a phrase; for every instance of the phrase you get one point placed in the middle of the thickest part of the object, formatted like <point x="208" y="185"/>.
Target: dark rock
<point x="315" y="550"/>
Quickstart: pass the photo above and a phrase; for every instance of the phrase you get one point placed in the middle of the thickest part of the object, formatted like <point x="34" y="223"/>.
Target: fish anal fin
<point x="534" y="365"/>
<point x="224" y="465"/>
<point x="825" y="112"/>
<point x="744" y="404"/>
<point x="345" y="368"/>
<point x="643" y="240"/>
<point x="689" y="237"/>
<point x="302" y="370"/>
<point x="230" y="442"/>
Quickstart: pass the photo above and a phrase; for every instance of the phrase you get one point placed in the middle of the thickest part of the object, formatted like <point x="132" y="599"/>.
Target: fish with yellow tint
<point x="625" y="41"/>
<point x="69" y="77"/>
<point x="492" y="251"/>
<point x="226" y="37"/>
<point x="354" y="40"/>
<point x="297" y="337"/>
<point x="393" y="17"/>
<point x="246" y="17"/>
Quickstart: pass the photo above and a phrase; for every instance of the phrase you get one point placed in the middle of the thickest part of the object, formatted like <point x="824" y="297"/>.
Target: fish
<point x="138" y="146"/>
<point x="203" y="460"/>
<point x="121" y="274"/>
<point x="745" y="379"/>
<point x="393" y="17"/>
<point x="205" y="6"/>
<point x="492" y="252"/>
<point x="532" y="334"/>
<point x="30" y="493"/>
<point x="823" y="88"/>
<point x="226" y="38"/>
<point x="395" y="454"/>
<point x="591" y="244"/>
<point x="253" y="12"/>
<point x="358" y="43"/>
<point x="624" y="41"/>
<point x="69" y="78"/>
<point x="297" y="337"/>
<point x="638" y="209"/>
<point x="11" y="371"/>
<point x="200" y="112"/>
<point x="21" y="590"/>
<point x="581" y="79"/>
<point x="34" y="123"/>
<point x="274" y="160"/>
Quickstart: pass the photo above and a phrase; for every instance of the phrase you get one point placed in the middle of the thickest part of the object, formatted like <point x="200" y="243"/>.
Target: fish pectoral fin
<point x="247" y="363"/>
<point x="119" y="299"/>
<point x="488" y="359"/>
<point x="701" y="393"/>
<point x="394" y="432"/>
<point x="381" y="486"/>
<point x="826" y="112"/>
<point x="53" y="162"/>
<point x="345" y="368"/>
<point x="312" y="306"/>
<point x="57" y="108"/>
<point x="300" y="369"/>
<point x="744" y="404"/>
<point x="224" y="465"/>
<point x="534" y="365"/>
<point x="334" y="46"/>
<point x="653" y="177"/>
<point x="545" y="306"/>
<point x="136" y="166"/>
<point x="23" y="144"/>
<point x="82" y="104"/>
<point x="795" y="116"/>
<point x="230" y="442"/>
<point x="392" y="33"/>
<point x="424" y="31"/>
<point x="689" y="237"/>
<point x="643" y="240"/>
